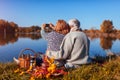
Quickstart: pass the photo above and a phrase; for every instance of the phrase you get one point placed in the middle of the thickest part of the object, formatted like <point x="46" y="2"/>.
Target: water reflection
<point x="106" y="43"/>
<point x="7" y="38"/>
<point x="12" y="38"/>
<point x="98" y="46"/>
<point x="12" y="44"/>
<point x="31" y="36"/>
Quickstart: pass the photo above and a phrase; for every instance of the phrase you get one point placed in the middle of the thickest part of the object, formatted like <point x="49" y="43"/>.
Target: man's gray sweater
<point x="73" y="50"/>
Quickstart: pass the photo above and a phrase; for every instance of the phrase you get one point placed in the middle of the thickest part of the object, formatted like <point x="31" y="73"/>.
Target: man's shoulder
<point x="76" y="33"/>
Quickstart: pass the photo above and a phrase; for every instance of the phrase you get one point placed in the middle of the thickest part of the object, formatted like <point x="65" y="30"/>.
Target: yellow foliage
<point x="48" y="75"/>
<point x="17" y="70"/>
<point x="22" y="73"/>
<point x="32" y="78"/>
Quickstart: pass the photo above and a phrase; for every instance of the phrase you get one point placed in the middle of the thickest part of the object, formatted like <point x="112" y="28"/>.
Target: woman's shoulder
<point x="54" y="33"/>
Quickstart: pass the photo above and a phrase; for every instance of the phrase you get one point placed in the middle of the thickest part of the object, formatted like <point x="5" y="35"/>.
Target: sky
<point x="90" y="13"/>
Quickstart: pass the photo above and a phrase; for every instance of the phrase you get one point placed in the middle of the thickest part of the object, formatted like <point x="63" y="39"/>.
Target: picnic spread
<point x="38" y="67"/>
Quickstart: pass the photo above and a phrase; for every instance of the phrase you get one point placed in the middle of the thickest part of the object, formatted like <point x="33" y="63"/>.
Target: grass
<point x="109" y="70"/>
<point x="7" y="72"/>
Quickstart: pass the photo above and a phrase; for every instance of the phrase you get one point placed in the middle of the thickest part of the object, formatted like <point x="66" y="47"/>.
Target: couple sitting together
<point x="67" y="43"/>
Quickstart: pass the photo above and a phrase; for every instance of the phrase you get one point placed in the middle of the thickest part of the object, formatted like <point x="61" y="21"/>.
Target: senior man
<point x="74" y="49"/>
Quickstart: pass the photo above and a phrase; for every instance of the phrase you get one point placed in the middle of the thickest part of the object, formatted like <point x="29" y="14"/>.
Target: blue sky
<point x="91" y="13"/>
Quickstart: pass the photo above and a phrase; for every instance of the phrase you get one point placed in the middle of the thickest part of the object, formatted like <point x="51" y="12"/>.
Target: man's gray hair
<point x="74" y="23"/>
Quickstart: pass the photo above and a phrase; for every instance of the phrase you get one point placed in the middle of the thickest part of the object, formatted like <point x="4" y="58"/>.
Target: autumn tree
<point x="11" y="27"/>
<point x="14" y="26"/>
<point x="2" y="25"/>
<point x="7" y="27"/>
<point x="35" y="28"/>
<point x="106" y="26"/>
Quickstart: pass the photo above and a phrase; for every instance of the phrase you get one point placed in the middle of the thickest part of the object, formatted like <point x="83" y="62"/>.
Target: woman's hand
<point x="52" y="26"/>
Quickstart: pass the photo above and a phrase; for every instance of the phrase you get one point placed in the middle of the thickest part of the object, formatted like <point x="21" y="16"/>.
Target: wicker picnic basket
<point x="26" y="59"/>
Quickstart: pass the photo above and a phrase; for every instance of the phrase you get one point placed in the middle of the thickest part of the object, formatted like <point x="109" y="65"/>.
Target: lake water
<point x="12" y="44"/>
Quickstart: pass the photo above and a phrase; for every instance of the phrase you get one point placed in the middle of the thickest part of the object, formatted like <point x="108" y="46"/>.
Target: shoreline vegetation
<point x="107" y="70"/>
<point x="106" y="29"/>
<point x="98" y="34"/>
<point x="11" y="27"/>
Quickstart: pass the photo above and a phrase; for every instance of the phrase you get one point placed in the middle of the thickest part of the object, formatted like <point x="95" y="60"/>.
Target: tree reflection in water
<point x="12" y="38"/>
<point x="106" y="43"/>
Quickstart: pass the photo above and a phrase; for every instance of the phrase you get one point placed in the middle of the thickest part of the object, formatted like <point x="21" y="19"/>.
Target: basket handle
<point x="25" y="50"/>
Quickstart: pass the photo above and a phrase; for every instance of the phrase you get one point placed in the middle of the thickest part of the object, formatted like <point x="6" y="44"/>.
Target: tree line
<point x="11" y="27"/>
<point x="105" y="27"/>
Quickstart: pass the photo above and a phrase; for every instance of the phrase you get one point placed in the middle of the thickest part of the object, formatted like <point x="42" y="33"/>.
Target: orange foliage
<point x="47" y="69"/>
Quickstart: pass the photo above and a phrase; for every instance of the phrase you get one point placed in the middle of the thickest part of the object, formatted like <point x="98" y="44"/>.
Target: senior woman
<point x="55" y="37"/>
